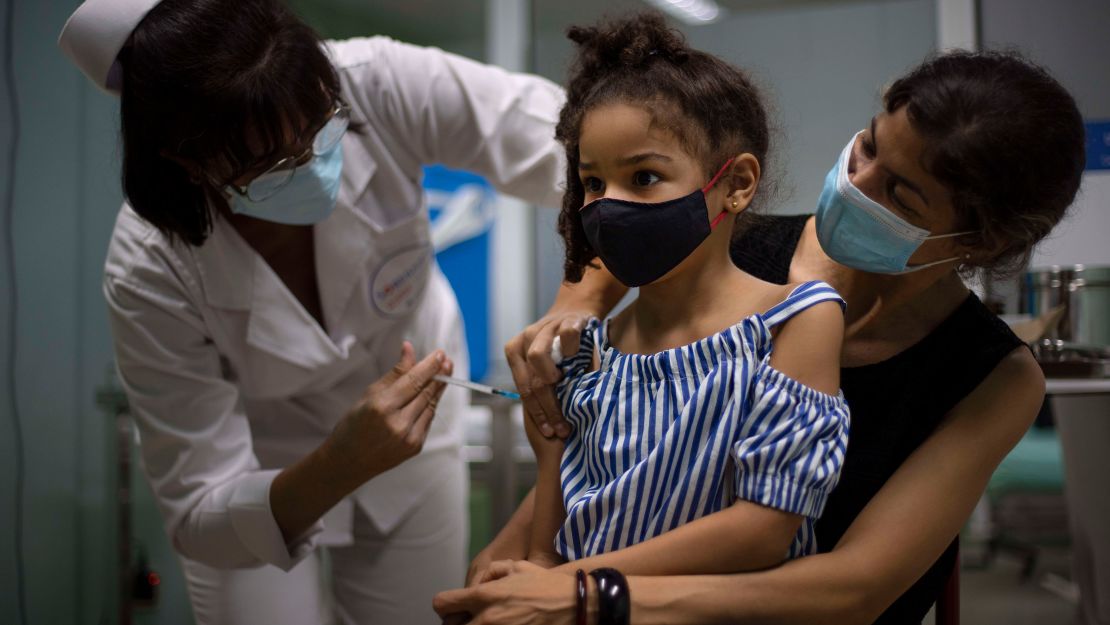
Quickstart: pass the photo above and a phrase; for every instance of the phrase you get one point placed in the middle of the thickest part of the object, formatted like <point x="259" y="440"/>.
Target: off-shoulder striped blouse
<point x="662" y="439"/>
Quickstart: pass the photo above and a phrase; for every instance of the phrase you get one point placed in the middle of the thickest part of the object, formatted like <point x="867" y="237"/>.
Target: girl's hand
<point x="521" y="593"/>
<point x="389" y="424"/>
<point x="478" y="567"/>
<point x="511" y="543"/>
<point x="535" y="373"/>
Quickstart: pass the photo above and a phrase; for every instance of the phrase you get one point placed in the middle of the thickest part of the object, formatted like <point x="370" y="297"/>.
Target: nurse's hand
<point x="390" y="423"/>
<point x="535" y="373"/>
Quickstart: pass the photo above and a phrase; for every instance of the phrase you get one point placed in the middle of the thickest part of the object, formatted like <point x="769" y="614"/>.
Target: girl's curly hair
<point x="710" y="106"/>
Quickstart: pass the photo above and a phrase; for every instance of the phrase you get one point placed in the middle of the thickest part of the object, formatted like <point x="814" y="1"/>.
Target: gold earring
<point x="735" y="203"/>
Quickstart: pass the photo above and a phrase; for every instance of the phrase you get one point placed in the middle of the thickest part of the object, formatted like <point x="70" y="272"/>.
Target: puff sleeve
<point x="789" y="452"/>
<point x="574" y="370"/>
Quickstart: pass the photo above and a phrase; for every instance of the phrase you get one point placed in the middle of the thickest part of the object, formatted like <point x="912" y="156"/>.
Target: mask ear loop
<point x="709" y="185"/>
<point x="717" y="219"/>
<point x="965" y="257"/>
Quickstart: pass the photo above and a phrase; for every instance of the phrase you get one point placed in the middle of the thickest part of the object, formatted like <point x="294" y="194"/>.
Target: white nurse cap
<point x="96" y="32"/>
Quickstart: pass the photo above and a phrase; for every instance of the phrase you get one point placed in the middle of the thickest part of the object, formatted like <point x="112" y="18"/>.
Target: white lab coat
<point x="230" y="379"/>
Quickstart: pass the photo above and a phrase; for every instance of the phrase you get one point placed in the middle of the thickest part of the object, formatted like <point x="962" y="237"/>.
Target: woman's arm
<point x="893" y="541"/>
<point x="898" y="535"/>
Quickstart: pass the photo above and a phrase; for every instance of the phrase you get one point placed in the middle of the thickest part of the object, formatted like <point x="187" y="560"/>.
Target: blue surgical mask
<point x="860" y="233"/>
<point x="307" y="198"/>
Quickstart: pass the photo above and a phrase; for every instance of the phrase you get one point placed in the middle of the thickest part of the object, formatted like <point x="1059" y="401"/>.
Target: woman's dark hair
<point x="1005" y="138"/>
<point x="221" y="84"/>
<point x="710" y="106"/>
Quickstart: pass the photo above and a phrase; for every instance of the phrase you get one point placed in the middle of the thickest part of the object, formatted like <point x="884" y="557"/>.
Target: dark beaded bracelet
<point x="580" y="597"/>
<point x="613" y="606"/>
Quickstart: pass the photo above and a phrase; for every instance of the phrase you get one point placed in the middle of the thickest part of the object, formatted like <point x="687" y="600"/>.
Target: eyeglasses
<point x="274" y="179"/>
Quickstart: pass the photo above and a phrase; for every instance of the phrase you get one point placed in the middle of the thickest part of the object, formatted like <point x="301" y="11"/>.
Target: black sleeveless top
<point x="895" y="404"/>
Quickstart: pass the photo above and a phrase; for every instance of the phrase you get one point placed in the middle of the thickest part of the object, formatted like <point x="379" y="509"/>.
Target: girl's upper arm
<point x="807" y="347"/>
<point x="914" y="517"/>
<point x="789" y="448"/>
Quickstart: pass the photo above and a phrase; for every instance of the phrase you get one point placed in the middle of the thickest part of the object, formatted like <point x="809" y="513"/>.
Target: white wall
<point x="1069" y="38"/>
<point x="1084" y="236"/>
<point x="823" y="67"/>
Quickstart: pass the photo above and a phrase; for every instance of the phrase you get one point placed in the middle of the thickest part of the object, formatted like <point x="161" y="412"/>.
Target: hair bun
<point x="630" y="42"/>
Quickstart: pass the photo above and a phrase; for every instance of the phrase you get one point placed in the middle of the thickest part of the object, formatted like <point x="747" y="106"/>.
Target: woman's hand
<point x="520" y="593"/>
<point x="535" y="373"/>
<point x="529" y="353"/>
<point x="482" y="570"/>
<point x="390" y="423"/>
<point x="478" y="567"/>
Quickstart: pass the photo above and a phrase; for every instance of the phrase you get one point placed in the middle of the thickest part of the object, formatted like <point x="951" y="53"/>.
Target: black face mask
<point x="640" y="242"/>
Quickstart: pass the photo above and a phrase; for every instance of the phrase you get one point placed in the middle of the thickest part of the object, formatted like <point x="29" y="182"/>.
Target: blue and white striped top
<point x="662" y="439"/>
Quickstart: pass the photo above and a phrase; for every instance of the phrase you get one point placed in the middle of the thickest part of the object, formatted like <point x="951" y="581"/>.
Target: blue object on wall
<point x="1098" y="145"/>
<point x="461" y="207"/>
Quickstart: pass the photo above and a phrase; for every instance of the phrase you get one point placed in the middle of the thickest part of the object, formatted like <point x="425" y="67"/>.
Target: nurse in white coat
<point x="271" y="259"/>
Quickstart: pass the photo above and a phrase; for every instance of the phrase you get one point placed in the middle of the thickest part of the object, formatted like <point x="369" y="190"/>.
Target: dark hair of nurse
<point x="261" y="89"/>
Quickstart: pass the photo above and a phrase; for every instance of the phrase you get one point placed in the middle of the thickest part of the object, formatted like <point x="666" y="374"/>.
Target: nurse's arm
<point x="894" y="540"/>
<point x="387" y="426"/>
<point x="198" y="456"/>
<point x="438" y="107"/>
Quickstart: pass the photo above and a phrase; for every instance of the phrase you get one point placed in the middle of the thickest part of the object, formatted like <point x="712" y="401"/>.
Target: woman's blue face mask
<point x="303" y="196"/>
<point x="860" y="233"/>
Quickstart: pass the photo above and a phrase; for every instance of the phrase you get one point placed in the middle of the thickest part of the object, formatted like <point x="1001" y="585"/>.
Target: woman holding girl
<point x="972" y="160"/>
